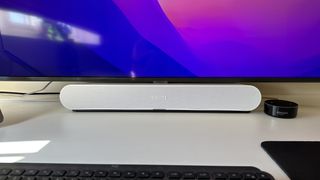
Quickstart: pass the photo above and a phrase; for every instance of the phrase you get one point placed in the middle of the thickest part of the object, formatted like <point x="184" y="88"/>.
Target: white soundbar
<point x="157" y="97"/>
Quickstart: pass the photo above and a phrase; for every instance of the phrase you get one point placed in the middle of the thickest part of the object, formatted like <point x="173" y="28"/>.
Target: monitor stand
<point x="160" y="97"/>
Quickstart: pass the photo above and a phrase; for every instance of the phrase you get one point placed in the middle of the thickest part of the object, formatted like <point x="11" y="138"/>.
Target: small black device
<point x="33" y="171"/>
<point x="281" y="108"/>
<point x="298" y="159"/>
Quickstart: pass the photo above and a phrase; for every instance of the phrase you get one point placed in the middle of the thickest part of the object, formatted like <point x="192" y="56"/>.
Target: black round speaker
<point x="281" y="108"/>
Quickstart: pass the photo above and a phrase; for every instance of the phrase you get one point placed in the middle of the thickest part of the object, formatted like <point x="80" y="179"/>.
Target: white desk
<point x="152" y="138"/>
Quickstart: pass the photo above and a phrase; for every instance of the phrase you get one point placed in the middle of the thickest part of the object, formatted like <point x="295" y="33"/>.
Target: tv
<point x="170" y="40"/>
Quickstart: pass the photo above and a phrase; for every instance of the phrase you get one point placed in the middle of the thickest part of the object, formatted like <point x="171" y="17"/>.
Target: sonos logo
<point x="159" y="98"/>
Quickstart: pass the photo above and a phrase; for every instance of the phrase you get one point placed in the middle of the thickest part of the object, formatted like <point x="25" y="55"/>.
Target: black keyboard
<point x="34" y="171"/>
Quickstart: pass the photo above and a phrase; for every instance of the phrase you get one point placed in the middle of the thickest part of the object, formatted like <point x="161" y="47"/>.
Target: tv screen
<point x="178" y="39"/>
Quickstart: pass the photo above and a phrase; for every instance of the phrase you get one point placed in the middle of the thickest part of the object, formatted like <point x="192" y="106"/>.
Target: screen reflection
<point x="28" y="26"/>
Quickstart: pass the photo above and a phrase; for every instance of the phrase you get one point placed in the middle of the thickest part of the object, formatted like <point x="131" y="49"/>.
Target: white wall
<point x="304" y="93"/>
<point x="307" y="94"/>
<point x="29" y="86"/>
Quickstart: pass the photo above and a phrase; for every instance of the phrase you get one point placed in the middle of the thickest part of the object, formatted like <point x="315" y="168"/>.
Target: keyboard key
<point x="45" y="172"/>
<point x="100" y="174"/>
<point x="189" y="175"/>
<point x="43" y="178"/>
<point x="220" y="176"/>
<point x="235" y="176"/>
<point x="58" y="173"/>
<point x="29" y="178"/>
<point x="263" y="176"/>
<point x="86" y="173"/>
<point x="71" y="178"/>
<point x="115" y="174"/>
<point x="17" y="172"/>
<point x="4" y="171"/>
<point x="72" y="173"/>
<point x="57" y="178"/>
<point x="143" y="174"/>
<point x="14" y="178"/>
<point x="157" y="175"/>
<point x="129" y="174"/>
<point x="249" y="176"/>
<point x="31" y="172"/>
<point x="203" y="175"/>
<point x="174" y="175"/>
<point x="87" y="178"/>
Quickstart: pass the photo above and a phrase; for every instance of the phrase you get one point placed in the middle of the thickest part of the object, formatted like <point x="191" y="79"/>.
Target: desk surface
<point x="150" y="138"/>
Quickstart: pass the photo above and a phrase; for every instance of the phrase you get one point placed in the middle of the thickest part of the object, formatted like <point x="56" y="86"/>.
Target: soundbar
<point x="160" y="97"/>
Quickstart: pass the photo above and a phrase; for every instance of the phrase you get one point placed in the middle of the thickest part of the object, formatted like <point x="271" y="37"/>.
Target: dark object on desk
<point x="281" y="109"/>
<point x="128" y="172"/>
<point x="1" y="116"/>
<point x="299" y="160"/>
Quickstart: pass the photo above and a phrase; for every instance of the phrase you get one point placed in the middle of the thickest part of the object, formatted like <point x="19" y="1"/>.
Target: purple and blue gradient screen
<point x="160" y="38"/>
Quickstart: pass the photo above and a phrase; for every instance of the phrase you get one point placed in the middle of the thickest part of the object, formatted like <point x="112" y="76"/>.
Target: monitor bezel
<point x="210" y="80"/>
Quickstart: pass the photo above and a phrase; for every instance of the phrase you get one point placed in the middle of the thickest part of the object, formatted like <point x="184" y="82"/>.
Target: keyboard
<point x="35" y="171"/>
